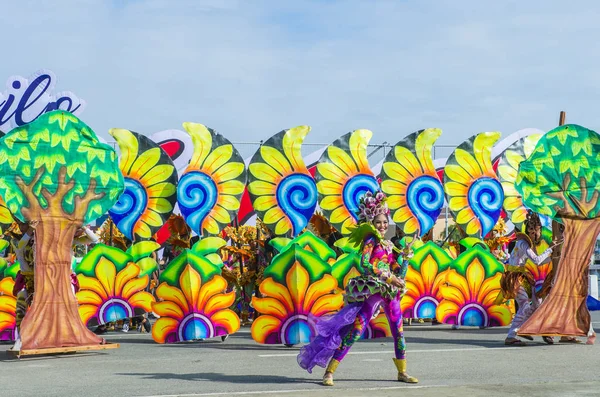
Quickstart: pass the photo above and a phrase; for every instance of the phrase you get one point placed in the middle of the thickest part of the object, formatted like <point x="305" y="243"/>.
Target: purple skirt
<point x="330" y="331"/>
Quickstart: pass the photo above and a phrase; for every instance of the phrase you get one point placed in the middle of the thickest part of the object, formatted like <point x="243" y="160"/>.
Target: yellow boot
<point x="402" y="375"/>
<point x="331" y="367"/>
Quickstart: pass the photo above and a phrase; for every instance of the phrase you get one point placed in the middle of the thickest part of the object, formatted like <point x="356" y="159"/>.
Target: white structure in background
<point x="27" y="99"/>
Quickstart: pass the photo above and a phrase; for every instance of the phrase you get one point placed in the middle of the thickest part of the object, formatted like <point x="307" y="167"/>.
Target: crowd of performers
<point x="380" y="287"/>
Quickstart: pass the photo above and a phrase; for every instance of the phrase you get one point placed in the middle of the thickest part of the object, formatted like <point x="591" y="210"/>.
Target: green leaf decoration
<point x="12" y="271"/>
<point x="200" y="264"/>
<point x="283" y="261"/>
<point x="147" y="265"/>
<point x="470" y="242"/>
<point x="346" y="246"/>
<point x="346" y="267"/>
<point x="87" y="266"/>
<point x="490" y="264"/>
<point x="280" y="244"/>
<point x="208" y="245"/>
<point x="430" y="248"/>
<point x="142" y="249"/>
<point x="309" y="242"/>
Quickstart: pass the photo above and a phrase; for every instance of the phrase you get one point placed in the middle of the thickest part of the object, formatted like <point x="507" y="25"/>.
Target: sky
<point x="251" y="68"/>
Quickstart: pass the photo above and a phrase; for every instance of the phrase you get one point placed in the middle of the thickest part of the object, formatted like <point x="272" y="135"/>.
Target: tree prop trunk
<point x="564" y="311"/>
<point x="53" y="320"/>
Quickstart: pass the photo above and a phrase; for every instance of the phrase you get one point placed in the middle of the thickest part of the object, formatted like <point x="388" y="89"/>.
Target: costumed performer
<point x="381" y="284"/>
<point x="23" y="289"/>
<point x="518" y="283"/>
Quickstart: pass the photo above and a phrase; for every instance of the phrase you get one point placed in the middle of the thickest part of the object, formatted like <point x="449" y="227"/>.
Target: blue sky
<point x="251" y="68"/>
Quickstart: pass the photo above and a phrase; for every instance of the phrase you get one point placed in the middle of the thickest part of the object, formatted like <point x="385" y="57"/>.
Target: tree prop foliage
<point x="56" y="171"/>
<point x="561" y="179"/>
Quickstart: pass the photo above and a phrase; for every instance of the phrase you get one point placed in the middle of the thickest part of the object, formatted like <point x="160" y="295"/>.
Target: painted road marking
<point x="476" y="349"/>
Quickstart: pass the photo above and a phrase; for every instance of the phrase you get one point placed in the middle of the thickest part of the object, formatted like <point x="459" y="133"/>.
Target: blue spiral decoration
<point x="425" y="198"/>
<point x="485" y="198"/>
<point x="130" y="207"/>
<point x="297" y="197"/>
<point x="355" y="189"/>
<point x="197" y="195"/>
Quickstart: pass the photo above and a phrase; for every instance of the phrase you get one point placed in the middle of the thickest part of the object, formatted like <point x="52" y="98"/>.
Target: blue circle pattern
<point x="426" y="309"/>
<point x="473" y="317"/>
<point x="486" y="198"/>
<point x="425" y="198"/>
<point x="298" y="332"/>
<point x="297" y="197"/>
<point x="115" y="312"/>
<point x="355" y="189"/>
<point x="195" y="329"/>
<point x="130" y="207"/>
<point x="197" y="195"/>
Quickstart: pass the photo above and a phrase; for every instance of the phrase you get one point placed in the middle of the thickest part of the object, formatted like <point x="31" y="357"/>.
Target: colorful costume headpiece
<point x="371" y="205"/>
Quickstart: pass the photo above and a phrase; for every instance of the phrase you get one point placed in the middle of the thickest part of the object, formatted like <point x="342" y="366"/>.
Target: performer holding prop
<point x="382" y="283"/>
<point x="517" y="283"/>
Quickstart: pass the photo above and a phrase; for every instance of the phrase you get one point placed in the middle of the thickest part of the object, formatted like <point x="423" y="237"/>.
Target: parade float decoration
<point x="473" y="191"/>
<point x="427" y="272"/>
<point x="210" y="189"/>
<point x="561" y="180"/>
<point x="111" y="288"/>
<point x="282" y="191"/>
<point x="297" y="288"/>
<point x="345" y="268"/>
<point x="55" y="171"/>
<point x="414" y="192"/>
<point x="150" y="194"/>
<point x="469" y="293"/>
<point x="508" y="168"/>
<point x="8" y="302"/>
<point x="192" y="302"/>
<point x="343" y="176"/>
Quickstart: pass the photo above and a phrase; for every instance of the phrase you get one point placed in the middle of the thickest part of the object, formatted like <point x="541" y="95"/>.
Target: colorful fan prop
<point x="472" y="188"/>
<point x="561" y="179"/>
<point x="211" y="188"/>
<point x="343" y="176"/>
<point x="427" y="271"/>
<point x="344" y="269"/>
<point x="470" y="290"/>
<point x="508" y="168"/>
<point x="110" y="287"/>
<point x="297" y="285"/>
<point x="283" y="192"/>
<point x="150" y="186"/>
<point x="193" y="303"/>
<point x="56" y="171"/>
<point x="415" y="193"/>
<point x="8" y="307"/>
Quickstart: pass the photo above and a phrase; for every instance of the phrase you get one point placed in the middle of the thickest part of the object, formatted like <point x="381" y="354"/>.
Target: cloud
<point x="251" y="69"/>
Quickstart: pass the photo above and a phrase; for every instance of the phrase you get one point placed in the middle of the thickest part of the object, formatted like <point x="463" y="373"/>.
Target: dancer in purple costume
<point x="381" y="284"/>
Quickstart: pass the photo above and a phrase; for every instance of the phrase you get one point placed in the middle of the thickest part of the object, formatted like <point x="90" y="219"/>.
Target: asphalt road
<point x="465" y="362"/>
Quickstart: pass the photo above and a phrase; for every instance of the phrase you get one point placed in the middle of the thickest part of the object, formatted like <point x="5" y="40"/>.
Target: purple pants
<point x="369" y="307"/>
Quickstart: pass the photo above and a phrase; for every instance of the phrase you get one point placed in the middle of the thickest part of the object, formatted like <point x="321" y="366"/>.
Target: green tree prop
<point x="55" y="171"/>
<point x="561" y="179"/>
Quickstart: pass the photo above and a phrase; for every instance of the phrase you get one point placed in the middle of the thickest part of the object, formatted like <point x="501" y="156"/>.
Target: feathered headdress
<point x="371" y="205"/>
